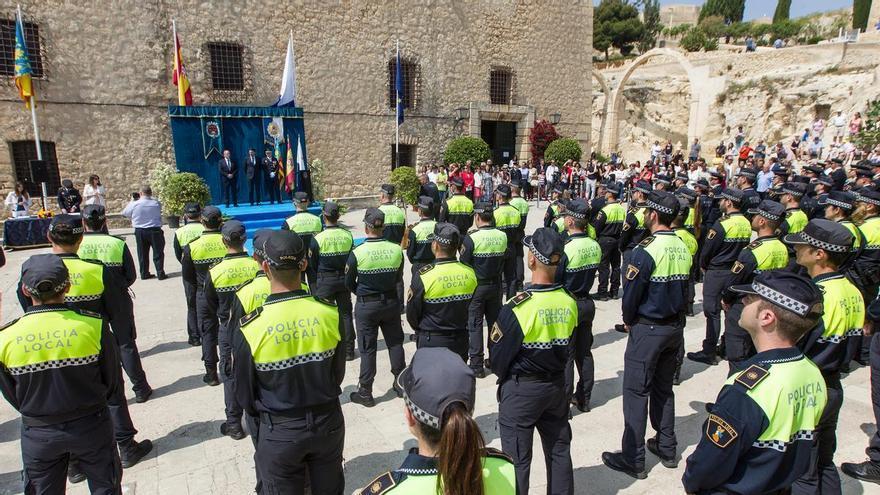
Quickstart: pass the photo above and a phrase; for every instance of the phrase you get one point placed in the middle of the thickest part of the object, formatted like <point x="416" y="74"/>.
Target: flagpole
<point x="397" y="108"/>
<point x="33" y="105"/>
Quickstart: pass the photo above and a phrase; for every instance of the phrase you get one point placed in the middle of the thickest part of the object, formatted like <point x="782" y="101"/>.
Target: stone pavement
<point x="191" y="456"/>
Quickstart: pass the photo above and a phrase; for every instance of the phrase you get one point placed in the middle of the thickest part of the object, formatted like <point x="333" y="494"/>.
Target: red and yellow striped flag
<point x="179" y="78"/>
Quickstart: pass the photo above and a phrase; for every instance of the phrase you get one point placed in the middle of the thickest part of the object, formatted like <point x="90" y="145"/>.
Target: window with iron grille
<point x="500" y="86"/>
<point x="227" y="66"/>
<point x="22" y="153"/>
<point x="406" y="157"/>
<point x="409" y="72"/>
<point x="7" y="48"/>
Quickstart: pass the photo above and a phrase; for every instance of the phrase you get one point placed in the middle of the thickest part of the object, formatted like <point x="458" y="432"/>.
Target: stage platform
<point x="267" y="216"/>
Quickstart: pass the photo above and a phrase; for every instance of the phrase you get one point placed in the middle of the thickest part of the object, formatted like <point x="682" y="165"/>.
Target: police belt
<point x="489" y="281"/>
<point x="538" y="377"/>
<point x="444" y="333"/>
<point x="330" y="274"/>
<point x="582" y="297"/>
<point x="384" y="296"/>
<point x="672" y="321"/>
<point x="298" y="413"/>
<point x="63" y="418"/>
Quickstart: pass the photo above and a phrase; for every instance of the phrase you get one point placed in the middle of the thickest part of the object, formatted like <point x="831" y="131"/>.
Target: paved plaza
<point x="183" y="416"/>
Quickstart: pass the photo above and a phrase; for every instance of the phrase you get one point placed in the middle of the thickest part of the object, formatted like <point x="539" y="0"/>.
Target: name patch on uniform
<point x="646" y="241"/>
<point x="751" y="377"/>
<point x="720" y="432"/>
<point x="250" y="316"/>
<point x="379" y="485"/>
<point x="520" y="298"/>
<point x="631" y="272"/>
<point x="737" y="267"/>
<point x="712" y="234"/>
<point x="496" y="334"/>
<point x="425" y="269"/>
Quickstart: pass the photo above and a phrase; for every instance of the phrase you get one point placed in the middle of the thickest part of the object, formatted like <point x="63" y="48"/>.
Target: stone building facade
<point x="107" y="78"/>
<point x="678" y="14"/>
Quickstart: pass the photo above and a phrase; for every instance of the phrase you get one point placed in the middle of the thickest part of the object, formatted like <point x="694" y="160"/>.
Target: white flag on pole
<point x="287" y="97"/>
<point x="300" y="161"/>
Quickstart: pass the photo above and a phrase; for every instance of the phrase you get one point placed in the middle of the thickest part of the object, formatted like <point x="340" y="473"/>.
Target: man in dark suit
<point x="252" y="172"/>
<point x="430" y="190"/>
<point x="228" y="178"/>
<point x="270" y="176"/>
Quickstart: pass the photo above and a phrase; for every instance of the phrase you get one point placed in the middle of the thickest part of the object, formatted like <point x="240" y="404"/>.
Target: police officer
<point x="441" y="293"/>
<point x="269" y="171"/>
<point x="61" y="391"/>
<point x="394" y="226"/>
<point x="745" y="182"/>
<point x="724" y="241"/>
<point x="96" y="289"/>
<point x="419" y="237"/>
<point x="303" y="223"/>
<point x="552" y="213"/>
<point x="507" y="220"/>
<point x="576" y="272"/>
<point x="302" y="428"/>
<point x="328" y="255"/>
<point x="609" y="225"/>
<point x="113" y="253"/>
<point x="740" y="449"/>
<point x="795" y="219"/>
<point x="865" y="270"/>
<point x="654" y="305"/>
<point x="198" y="256"/>
<point x="530" y="346"/>
<point x="678" y="226"/>
<point x="183" y="236"/>
<point x="633" y="230"/>
<point x="440" y="392"/>
<point x="484" y="250"/>
<point x="690" y="196"/>
<point x="822" y="247"/>
<point x="224" y="277"/>
<point x="766" y="253"/>
<point x="662" y="182"/>
<point x="518" y="202"/>
<point x="372" y="269"/>
<point x="690" y="223"/>
<point x="457" y="208"/>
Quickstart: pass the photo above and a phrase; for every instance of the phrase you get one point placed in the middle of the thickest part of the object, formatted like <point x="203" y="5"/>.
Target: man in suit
<point x="270" y="176"/>
<point x="228" y="178"/>
<point x="252" y="172"/>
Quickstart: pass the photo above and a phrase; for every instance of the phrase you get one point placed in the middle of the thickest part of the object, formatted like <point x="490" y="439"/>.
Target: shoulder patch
<point x="381" y="484"/>
<point x="754" y="244"/>
<point x="250" y="317"/>
<point x="521" y="298"/>
<point x="490" y="452"/>
<point x="751" y="377"/>
<point x="646" y="241"/>
<point x="737" y="267"/>
<point x="322" y="300"/>
<point x="425" y="269"/>
<point x="625" y="226"/>
<point x="88" y="313"/>
<point x="712" y="234"/>
<point x="496" y="334"/>
<point x="719" y="431"/>
<point x="8" y="324"/>
<point x="631" y="272"/>
<point x="241" y="285"/>
<point x="94" y="262"/>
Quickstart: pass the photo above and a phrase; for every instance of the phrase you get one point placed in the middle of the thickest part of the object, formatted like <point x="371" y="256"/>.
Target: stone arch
<point x="603" y="83"/>
<point x="616" y="108"/>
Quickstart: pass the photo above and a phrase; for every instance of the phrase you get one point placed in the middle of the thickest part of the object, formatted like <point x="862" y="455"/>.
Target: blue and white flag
<point x="287" y="97"/>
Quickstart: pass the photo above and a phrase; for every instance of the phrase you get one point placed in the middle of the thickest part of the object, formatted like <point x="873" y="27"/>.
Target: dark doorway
<point x="501" y="138"/>
<point x="406" y="158"/>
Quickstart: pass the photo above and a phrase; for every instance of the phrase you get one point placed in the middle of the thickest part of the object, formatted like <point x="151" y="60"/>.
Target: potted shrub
<point x="465" y="148"/>
<point x="179" y="189"/>
<point x="562" y="150"/>
<point x="406" y="183"/>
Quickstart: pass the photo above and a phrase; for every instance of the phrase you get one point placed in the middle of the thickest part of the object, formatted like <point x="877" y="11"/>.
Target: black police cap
<point x="642" y="186"/>
<point x="559" y="188"/>
<point x="234" y="231"/>
<point x="825" y="180"/>
<point x="284" y="249"/>
<point x="211" y="214"/>
<point x="815" y="169"/>
<point x="823" y="234"/>
<point x="426" y="203"/>
<point x="447" y="234"/>
<point x="612" y="187"/>
<point x="483" y="207"/>
<point x="301" y="197"/>
<point x="682" y="176"/>
<point x="503" y="190"/>
<point x="66" y="224"/>
<point x="703" y="183"/>
<point x="192" y="209"/>
<point x="748" y="173"/>
<point x="860" y="172"/>
<point x="436" y="378"/>
<point x="661" y="201"/>
<point x="770" y="210"/>
<point x="546" y="245"/>
<point x="686" y="193"/>
<point x="331" y="209"/>
<point x="388" y="189"/>
<point x="801" y="179"/>
<point x="662" y="179"/>
<point x="94" y="212"/>
<point x="374" y="217"/>
<point x="733" y="194"/>
<point x="796" y="189"/>
<point x="786" y="290"/>
<point x="869" y="195"/>
<point x="716" y="175"/>
<point x="840" y="199"/>
<point x="44" y="274"/>
<point x="260" y="238"/>
<point x="578" y="208"/>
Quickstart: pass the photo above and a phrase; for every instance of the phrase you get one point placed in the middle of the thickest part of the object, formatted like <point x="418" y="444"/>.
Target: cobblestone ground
<point x="191" y="456"/>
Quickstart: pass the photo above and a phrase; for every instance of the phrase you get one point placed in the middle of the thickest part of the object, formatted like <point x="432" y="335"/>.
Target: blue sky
<point x="759" y="8"/>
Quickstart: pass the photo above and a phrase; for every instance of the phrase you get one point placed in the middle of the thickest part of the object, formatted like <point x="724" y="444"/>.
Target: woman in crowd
<point x="855" y="124"/>
<point x="534" y="180"/>
<point x="467" y="177"/>
<point x="18" y="201"/>
<point x="93" y="192"/>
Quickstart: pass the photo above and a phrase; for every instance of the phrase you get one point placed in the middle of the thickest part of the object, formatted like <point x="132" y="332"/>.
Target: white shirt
<point x="12" y="202"/>
<point x="839" y="120"/>
<point x="144" y="213"/>
<point x="550" y="172"/>
<point x="94" y="195"/>
<point x="432" y="177"/>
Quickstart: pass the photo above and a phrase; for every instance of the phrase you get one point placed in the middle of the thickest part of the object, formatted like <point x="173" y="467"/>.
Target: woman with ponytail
<point x="452" y="458"/>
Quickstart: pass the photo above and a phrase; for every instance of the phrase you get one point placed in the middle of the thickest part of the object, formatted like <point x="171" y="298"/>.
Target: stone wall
<point x="109" y="76"/>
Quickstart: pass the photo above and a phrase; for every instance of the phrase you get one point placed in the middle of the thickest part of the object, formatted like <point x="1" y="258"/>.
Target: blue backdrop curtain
<point x="200" y="133"/>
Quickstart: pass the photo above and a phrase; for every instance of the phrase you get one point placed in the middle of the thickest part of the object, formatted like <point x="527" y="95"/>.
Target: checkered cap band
<point x="75" y="230"/>
<point x="866" y="199"/>
<point x="55" y="289"/>
<point x="793" y="192"/>
<point x="421" y="415"/>
<point x="575" y="214"/>
<point x="731" y="197"/>
<point x="440" y="240"/>
<point x="543" y="259"/>
<point x="827" y="246"/>
<point x="657" y="206"/>
<point x="765" y="214"/>
<point x="839" y="204"/>
<point x="646" y="190"/>
<point x="780" y="299"/>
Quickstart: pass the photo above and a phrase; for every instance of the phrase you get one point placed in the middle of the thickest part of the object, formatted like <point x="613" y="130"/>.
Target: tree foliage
<point x="861" y="11"/>
<point x="616" y="23"/>
<point x="783" y="11"/>
<point x="869" y="136"/>
<point x="182" y="188"/>
<point x="406" y="184"/>
<point x="729" y="10"/>
<point x="542" y="134"/>
<point x="694" y="40"/>
<point x="651" y="17"/>
<point x="465" y="148"/>
<point x="562" y="150"/>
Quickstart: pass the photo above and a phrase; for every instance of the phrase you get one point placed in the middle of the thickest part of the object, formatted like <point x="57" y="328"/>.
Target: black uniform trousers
<point x="822" y="476"/>
<point x="372" y="313"/>
<point x="46" y="450"/>
<point x="525" y="405"/>
<point x="713" y="285"/>
<point x="509" y="274"/>
<point x="304" y="446"/>
<point x="192" y="320"/>
<point x="273" y="190"/>
<point x="209" y="330"/>
<point x="125" y="334"/>
<point x="738" y="345"/>
<point x="609" y="265"/>
<point x="331" y="286"/>
<point x="254" y="190"/>
<point x="520" y="265"/>
<point x="873" y="449"/>
<point x="649" y="366"/>
<point x="486" y="303"/>
<point x="454" y="340"/>
<point x="229" y="191"/>
<point x="146" y="239"/>
<point x="582" y="353"/>
<point x="224" y="344"/>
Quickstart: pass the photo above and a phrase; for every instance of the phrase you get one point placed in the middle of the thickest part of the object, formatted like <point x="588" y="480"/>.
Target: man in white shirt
<point x="146" y="218"/>
<point x="839" y="123"/>
<point x="550" y="174"/>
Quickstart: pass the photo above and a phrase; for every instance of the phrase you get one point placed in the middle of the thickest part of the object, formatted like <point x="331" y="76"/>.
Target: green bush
<point x="562" y="150"/>
<point x="182" y="188"/>
<point x="407" y="184"/>
<point x="159" y="177"/>
<point x="694" y="40"/>
<point x="870" y="133"/>
<point x="465" y="148"/>
<point x="711" y="44"/>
